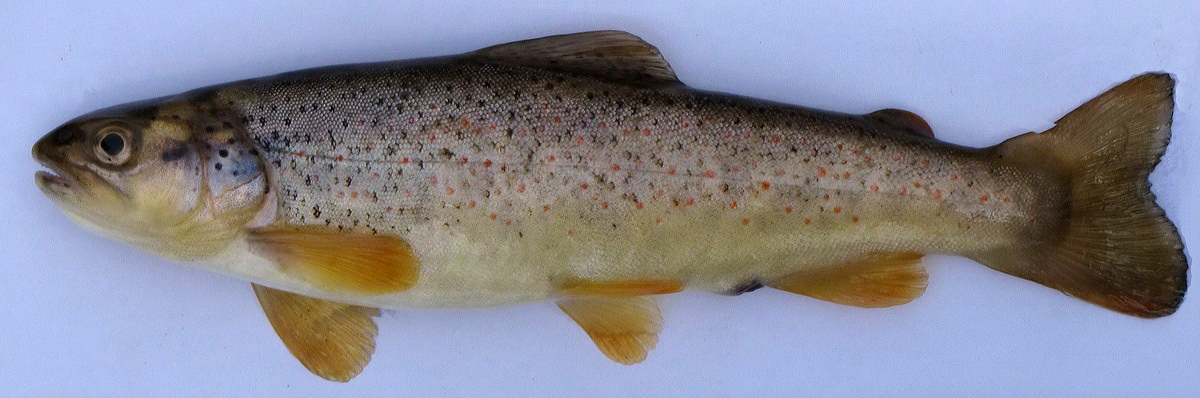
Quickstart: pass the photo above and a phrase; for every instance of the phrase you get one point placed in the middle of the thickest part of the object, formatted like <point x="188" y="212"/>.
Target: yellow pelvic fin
<point x="625" y="329"/>
<point x="584" y="287"/>
<point x="871" y="281"/>
<point x="331" y="260"/>
<point x="333" y="340"/>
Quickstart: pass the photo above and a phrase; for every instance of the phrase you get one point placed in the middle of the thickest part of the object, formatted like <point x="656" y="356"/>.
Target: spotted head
<point x="169" y="177"/>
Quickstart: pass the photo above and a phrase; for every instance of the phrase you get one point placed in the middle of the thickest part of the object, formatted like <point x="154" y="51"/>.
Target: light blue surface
<point x="82" y="316"/>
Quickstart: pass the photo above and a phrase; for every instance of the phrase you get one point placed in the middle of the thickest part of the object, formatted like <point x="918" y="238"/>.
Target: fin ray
<point x="334" y="341"/>
<point x="871" y="281"/>
<point x="625" y="329"/>
<point x="606" y="54"/>
<point x="331" y="260"/>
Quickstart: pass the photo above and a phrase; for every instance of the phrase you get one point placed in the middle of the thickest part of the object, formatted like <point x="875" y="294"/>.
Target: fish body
<point x="578" y="168"/>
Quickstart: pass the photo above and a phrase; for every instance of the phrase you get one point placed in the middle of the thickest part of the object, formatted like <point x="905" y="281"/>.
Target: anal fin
<point x="874" y="280"/>
<point x="333" y="340"/>
<point x="625" y="329"/>
<point x="340" y="261"/>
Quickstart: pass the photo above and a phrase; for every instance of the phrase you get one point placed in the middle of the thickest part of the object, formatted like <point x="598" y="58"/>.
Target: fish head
<point x="144" y="174"/>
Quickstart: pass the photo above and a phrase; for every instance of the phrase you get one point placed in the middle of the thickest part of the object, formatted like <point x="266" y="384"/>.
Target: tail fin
<point x="1115" y="249"/>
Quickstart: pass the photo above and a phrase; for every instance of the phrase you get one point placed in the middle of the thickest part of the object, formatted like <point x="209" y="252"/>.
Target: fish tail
<point x="1112" y="245"/>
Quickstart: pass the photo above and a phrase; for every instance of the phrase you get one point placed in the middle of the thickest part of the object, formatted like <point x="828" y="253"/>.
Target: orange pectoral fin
<point x="331" y="260"/>
<point x="871" y="281"/>
<point x="584" y="287"/>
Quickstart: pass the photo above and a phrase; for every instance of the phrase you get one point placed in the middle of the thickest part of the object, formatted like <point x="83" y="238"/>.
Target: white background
<point x="83" y="316"/>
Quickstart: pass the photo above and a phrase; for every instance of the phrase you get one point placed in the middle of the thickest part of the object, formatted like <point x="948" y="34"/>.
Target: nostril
<point x="65" y="134"/>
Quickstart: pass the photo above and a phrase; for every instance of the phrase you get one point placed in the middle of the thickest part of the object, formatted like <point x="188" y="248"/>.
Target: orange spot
<point x="302" y="153"/>
<point x="388" y="209"/>
<point x="341" y="194"/>
<point x="579" y="140"/>
<point x="390" y="129"/>
<point x="464" y="159"/>
<point x="471" y="204"/>
<point x="1007" y="199"/>
<point x="821" y="171"/>
<point x="776" y="138"/>
<point x="584" y="185"/>
<point x="551" y="158"/>
<point x="837" y="210"/>
<point x="766" y="185"/>
<point x="616" y="167"/>
<point x="686" y="125"/>
<point x="507" y="222"/>
<point x="432" y="138"/>
<point x="570" y="232"/>
<point x="937" y="194"/>
<point x="546" y="208"/>
<point x="846" y="175"/>
<point x="807" y="221"/>
<point x="449" y="191"/>
<point x="557" y="119"/>
<point x="839" y="146"/>
<point x="691" y="201"/>
<point x="670" y="171"/>
<point x="466" y="123"/>
<point x="983" y="198"/>
<point x="492" y="216"/>
<point x="646" y="132"/>
<point x="521" y="188"/>
<point x="354" y="195"/>
<point x="487" y="163"/>
<point x="640" y="205"/>
<point x="917" y="185"/>
<point x="854" y="219"/>
<point x="874" y="188"/>
<point x="603" y="125"/>
<point x="745" y="221"/>
<point x="404" y="161"/>
<point x="736" y="169"/>
<point x="658" y="220"/>
<point x="733" y="205"/>
<point x="787" y="210"/>
<point x="660" y="193"/>
<point x="954" y="177"/>
<point x="340" y="158"/>
<point x="603" y="205"/>
<point x="710" y="173"/>
<point x="896" y="158"/>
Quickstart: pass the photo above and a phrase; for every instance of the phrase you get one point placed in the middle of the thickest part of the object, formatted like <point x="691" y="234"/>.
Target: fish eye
<point x="113" y="145"/>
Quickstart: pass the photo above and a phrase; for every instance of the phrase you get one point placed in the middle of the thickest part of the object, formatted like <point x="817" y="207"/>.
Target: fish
<point x="578" y="168"/>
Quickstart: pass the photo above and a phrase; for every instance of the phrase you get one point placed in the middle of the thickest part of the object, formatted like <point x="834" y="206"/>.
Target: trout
<point x="578" y="168"/>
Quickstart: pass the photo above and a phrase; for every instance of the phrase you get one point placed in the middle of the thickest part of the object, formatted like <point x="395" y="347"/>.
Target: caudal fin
<point x="1115" y="247"/>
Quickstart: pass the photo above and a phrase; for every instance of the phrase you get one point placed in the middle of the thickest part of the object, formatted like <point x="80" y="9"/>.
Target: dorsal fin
<point x="902" y="120"/>
<point x="607" y="54"/>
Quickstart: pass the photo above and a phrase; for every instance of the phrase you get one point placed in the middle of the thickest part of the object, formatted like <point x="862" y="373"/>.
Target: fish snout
<point x="49" y="150"/>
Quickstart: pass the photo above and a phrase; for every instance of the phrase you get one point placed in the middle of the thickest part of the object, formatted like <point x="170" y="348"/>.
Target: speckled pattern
<point x="510" y="178"/>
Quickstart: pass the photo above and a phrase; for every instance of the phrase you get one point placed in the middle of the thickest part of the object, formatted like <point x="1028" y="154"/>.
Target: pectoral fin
<point x="624" y="328"/>
<point x="333" y="260"/>
<point x="871" y="281"/>
<point x="333" y="340"/>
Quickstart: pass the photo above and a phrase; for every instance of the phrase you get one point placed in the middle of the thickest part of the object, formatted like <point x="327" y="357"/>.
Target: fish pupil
<point x="112" y="144"/>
